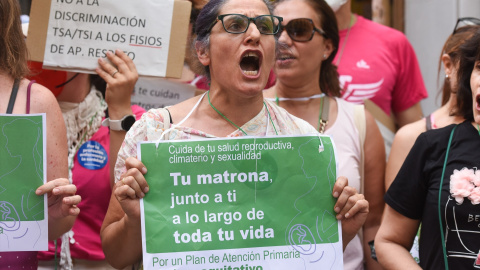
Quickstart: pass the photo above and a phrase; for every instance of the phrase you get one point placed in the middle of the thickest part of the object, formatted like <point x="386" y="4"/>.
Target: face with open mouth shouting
<point x="240" y="62"/>
<point x="297" y="61"/>
<point x="475" y="86"/>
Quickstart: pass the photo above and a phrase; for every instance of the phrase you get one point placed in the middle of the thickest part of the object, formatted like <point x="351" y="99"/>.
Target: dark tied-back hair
<point x="329" y="82"/>
<point x="13" y="49"/>
<point x="208" y="15"/>
<point x="469" y="54"/>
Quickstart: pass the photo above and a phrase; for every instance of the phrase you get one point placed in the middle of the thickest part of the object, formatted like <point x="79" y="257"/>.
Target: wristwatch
<point x="123" y="124"/>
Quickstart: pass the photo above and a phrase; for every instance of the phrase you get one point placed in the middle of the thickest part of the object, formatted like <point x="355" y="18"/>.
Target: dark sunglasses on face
<point x="465" y="21"/>
<point x="238" y="23"/>
<point x="301" y="29"/>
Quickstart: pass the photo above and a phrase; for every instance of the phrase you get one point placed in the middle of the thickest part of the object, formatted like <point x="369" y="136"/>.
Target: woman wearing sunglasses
<point x="307" y="86"/>
<point x="235" y="44"/>
<point x="438" y="185"/>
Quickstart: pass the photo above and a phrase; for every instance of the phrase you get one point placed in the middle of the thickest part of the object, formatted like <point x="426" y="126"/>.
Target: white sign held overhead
<point x="150" y="32"/>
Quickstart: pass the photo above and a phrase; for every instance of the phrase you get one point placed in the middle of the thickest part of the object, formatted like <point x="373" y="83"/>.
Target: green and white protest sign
<point x="23" y="214"/>
<point x="244" y="203"/>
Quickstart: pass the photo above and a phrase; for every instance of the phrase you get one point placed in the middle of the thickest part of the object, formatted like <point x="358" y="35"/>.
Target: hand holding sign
<point x="62" y="201"/>
<point x="351" y="209"/>
<point x="131" y="188"/>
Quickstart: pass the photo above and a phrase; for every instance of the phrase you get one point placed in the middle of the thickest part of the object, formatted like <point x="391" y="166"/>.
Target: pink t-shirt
<point x="92" y="178"/>
<point x="378" y="63"/>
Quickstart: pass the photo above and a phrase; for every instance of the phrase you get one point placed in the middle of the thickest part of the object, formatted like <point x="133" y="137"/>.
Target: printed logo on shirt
<point x="363" y="64"/>
<point x="92" y="156"/>
<point x="357" y="93"/>
<point x="462" y="216"/>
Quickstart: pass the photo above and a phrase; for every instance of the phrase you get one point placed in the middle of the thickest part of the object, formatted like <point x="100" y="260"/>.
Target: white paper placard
<point x="81" y="31"/>
<point x="152" y="93"/>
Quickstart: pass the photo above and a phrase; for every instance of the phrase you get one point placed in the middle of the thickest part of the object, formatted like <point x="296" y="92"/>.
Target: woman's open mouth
<point x="250" y="63"/>
<point x="477" y="102"/>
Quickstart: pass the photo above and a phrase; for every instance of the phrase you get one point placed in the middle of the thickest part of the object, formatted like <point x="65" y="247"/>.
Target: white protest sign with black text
<point x="81" y="31"/>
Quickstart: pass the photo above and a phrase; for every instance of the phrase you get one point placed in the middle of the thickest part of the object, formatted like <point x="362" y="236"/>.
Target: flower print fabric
<point x="462" y="185"/>
<point x="150" y="127"/>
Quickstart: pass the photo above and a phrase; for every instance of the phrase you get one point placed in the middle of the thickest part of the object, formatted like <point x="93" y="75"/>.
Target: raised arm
<point x="118" y="96"/>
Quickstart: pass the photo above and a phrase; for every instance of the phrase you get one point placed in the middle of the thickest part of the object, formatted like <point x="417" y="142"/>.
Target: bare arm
<point x="118" y="96"/>
<point x="394" y="240"/>
<point x="374" y="171"/>
<point x="409" y="115"/>
<point x="351" y="208"/>
<point x="62" y="201"/>
<point x="121" y="228"/>
<point x="402" y="143"/>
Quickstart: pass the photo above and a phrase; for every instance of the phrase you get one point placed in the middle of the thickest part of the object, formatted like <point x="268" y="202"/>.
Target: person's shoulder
<point x="345" y="104"/>
<point x="381" y="31"/>
<point x="465" y="128"/>
<point x="442" y="131"/>
<point x="408" y="134"/>
<point x="155" y="115"/>
<point x="290" y="123"/>
<point x="412" y="130"/>
<point x="41" y="98"/>
<point x="437" y="138"/>
<point x="180" y="110"/>
<point x="365" y="23"/>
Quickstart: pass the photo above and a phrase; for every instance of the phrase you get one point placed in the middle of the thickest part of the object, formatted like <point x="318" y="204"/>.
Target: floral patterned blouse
<point x="152" y="124"/>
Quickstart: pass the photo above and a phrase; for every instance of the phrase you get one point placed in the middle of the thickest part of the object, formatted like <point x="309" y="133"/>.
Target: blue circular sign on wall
<point x="92" y="155"/>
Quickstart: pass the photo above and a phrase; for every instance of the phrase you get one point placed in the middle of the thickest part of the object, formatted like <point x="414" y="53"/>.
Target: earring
<point x="325" y="56"/>
<point x="446" y="76"/>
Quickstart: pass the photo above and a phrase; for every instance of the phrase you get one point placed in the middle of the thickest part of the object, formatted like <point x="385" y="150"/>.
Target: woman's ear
<point x="328" y="45"/>
<point x="448" y="65"/>
<point x="202" y="54"/>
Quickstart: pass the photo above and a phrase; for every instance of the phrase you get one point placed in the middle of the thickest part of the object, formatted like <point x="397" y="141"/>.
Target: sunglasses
<point x="465" y="21"/>
<point x="238" y="23"/>
<point x="301" y="29"/>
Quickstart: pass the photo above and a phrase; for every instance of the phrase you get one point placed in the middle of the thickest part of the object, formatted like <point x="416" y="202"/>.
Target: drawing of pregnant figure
<point x="323" y="228"/>
<point x="21" y="172"/>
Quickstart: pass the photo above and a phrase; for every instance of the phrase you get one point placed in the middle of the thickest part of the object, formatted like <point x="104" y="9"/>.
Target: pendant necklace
<point x="323" y="117"/>
<point x="230" y="121"/>
<point x="340" y="53"/>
